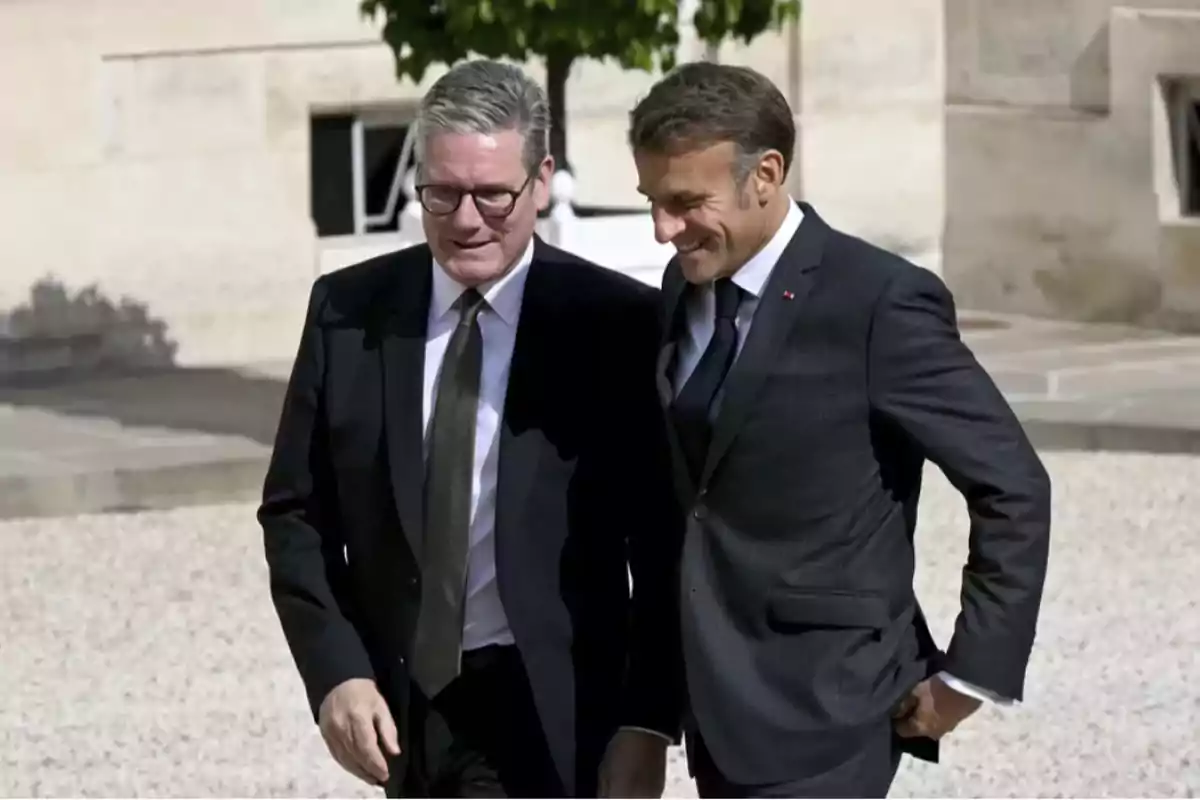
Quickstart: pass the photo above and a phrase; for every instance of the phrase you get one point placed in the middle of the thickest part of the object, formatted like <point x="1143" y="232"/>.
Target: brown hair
<point x="701" y="104"/>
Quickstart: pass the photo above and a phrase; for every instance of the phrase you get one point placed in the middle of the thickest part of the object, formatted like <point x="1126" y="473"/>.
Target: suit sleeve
<point x="301" y="535"/>
<point x="654" y="523"/>
<point x="926" y="381"/>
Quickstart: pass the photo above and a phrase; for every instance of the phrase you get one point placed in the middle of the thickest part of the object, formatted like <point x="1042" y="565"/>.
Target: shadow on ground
<point x="83" y="353"/>
<point x="61" y="329"/>
<point x="215" y="401"/>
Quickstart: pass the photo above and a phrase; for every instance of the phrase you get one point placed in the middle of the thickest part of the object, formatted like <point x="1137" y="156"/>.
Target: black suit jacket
<point x="800" y="625"/>
<point x="584" y="492"/>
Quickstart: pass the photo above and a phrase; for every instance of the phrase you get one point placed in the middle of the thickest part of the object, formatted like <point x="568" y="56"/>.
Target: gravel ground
<point x="141" y="656"/>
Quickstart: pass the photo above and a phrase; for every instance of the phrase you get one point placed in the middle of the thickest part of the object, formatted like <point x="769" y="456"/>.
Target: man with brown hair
<point x="808" y="377"/>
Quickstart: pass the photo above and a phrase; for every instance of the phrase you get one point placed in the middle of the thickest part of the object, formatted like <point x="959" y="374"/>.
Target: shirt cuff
<point x="659" y="734"/>
<point x="971" y="690"/>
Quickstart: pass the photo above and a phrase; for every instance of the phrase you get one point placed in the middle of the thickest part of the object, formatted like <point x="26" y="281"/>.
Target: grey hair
<point x="485" y="96"/>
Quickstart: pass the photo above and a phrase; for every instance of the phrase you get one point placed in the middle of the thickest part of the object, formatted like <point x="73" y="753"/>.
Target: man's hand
<point x="932" y="709"/>
<point x="635" y="765"/>
<point x="354" y="721"/>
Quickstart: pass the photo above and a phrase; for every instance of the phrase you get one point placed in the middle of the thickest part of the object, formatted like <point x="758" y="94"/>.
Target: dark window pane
<point x="1191" y="192"/>
<point x="331" y="197"/>
<point x="381" y="155"/>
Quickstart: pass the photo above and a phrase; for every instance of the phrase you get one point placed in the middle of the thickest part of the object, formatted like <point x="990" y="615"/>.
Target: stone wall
<point x="1052" y="205"/>
<point x="871" y="119"/>
<point x="159" y="156"/>
<point x="156" y="154"/>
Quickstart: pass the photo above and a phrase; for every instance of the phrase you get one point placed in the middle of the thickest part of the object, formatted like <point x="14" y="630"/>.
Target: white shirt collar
<point x="503" y="296"/>
<point x="753" y="275"/>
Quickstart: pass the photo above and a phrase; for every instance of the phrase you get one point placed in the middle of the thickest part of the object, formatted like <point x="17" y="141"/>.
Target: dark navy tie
<point x="693" y="408"/>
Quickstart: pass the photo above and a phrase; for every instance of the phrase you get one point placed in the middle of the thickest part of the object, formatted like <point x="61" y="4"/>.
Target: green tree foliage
<point x="638" y="34"/>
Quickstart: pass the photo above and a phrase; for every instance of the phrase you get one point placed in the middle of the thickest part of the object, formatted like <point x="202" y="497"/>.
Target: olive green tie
<point x="437" y="647"/>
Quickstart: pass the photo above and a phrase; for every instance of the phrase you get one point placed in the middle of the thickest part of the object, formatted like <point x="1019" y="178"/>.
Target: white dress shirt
<point x="484" y="620"/>
<point x="752" y="278"/>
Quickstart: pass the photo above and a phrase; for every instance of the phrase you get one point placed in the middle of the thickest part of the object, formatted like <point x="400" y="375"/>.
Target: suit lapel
<point x="532" y="363"/>
<point x="781" y="302"/>
<point x="662" y="376"/>
<point x="674" y="288"/>
<point x="672" y="323"/>
<point x="403" y="353"/>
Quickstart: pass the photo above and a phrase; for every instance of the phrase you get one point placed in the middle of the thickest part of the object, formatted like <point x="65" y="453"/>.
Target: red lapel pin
<point x="788" y="295"/>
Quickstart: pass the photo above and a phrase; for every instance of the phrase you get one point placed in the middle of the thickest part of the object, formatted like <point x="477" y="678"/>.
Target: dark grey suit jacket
<point x="800" y="626"/>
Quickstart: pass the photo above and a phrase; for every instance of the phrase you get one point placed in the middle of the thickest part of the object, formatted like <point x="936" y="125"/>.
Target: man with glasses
<point x="469" y="465"/>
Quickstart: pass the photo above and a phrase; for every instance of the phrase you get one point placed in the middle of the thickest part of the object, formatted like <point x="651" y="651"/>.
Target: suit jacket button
<point x="699" y="512"/>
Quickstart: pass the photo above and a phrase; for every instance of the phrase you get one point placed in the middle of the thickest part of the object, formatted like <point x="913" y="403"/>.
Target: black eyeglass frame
<point x="513" y="196"/>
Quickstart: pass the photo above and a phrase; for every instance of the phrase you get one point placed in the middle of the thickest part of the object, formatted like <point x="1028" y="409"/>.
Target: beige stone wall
<point x="160" y="151"/>
<point x="1053" y="205"/>
<point x="871" y="118"/>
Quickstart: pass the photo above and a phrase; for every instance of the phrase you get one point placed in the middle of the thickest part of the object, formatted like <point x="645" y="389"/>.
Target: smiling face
<point x="713" y="144"/>
<point x="481" y="239"/>
<point x="715" y="221"/>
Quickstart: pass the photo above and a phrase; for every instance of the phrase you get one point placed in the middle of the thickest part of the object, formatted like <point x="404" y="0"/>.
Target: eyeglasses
<point x="441" y="200"/>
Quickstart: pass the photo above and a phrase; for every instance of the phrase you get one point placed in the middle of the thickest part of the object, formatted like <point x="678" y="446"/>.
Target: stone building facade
<point x="1072" y="170"/>
<point x="1029" y="150"/>
<point x="165" y="153"/>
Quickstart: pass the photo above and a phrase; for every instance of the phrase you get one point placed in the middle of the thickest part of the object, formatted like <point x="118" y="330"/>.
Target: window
<point x="1184" y="104"/>
<point x="1190" y="190"/>
<point x="357" y="167"/>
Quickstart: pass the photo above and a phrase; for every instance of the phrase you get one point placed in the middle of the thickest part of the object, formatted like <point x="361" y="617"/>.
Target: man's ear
<point x="769" y="176"/>
<point x="541" y="183"/>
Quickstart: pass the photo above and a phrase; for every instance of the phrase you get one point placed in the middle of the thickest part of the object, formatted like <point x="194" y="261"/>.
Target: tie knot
<point x="728" y="297"/>
<point x="469" y="303"/>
